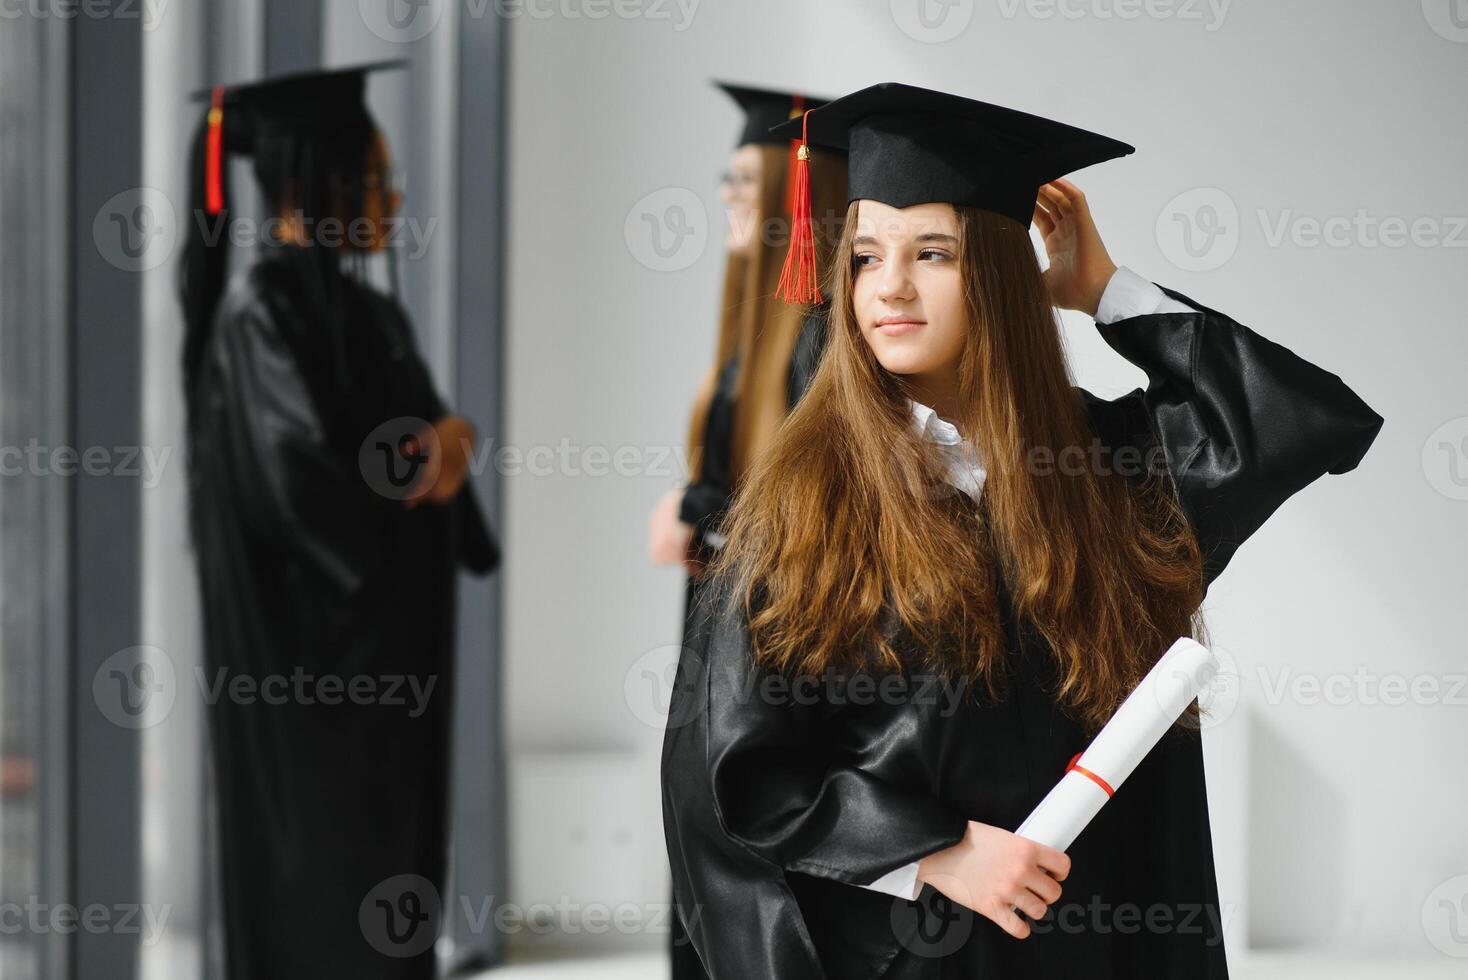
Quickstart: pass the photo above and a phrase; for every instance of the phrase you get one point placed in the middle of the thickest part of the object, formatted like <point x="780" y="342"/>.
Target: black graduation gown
<point x="306" y="571"/>
<point x="706" y="500"/>
<point x="775" y="806"/>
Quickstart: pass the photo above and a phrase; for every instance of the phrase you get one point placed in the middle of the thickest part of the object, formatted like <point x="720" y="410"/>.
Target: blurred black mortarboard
<point x="907" y="145"/>
<point x="765" y="109"/>
<point x="312" y="98"/>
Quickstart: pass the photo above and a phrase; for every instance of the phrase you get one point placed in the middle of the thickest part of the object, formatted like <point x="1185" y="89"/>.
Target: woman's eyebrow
<point x="932" y="236"/>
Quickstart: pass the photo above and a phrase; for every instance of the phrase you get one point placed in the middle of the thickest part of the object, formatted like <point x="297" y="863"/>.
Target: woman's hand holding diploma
<point x="993" y="872"/>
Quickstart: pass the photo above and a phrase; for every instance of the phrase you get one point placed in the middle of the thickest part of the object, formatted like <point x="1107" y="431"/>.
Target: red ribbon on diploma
<point x="1090" y="775"/>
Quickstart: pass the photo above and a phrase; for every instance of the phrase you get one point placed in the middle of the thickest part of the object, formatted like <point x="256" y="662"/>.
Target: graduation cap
<point x="908" y="145"/>
<point x="300" y="99"/>
<point x="765" y="109"/>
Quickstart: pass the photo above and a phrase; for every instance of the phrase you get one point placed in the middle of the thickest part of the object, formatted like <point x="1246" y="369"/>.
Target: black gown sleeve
<point x="266" y="441"/>
<point x="477" y="547"/>
<point x="1243" y="422"/>
<point x="809" y="347"/>
<point x="706" y="500"/>
<point x="753" y="790"/>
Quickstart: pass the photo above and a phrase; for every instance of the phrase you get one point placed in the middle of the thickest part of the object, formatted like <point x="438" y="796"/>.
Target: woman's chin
<point x="900" y="361"/>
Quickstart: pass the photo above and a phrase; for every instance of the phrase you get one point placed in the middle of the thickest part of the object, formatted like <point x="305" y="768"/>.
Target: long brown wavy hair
<point x="754" y="322"/>
<point x="848" y="553"/>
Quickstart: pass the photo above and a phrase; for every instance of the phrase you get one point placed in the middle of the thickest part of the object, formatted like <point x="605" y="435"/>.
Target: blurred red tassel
<point x="214" y="156"/>
<point x="799" y="279"/>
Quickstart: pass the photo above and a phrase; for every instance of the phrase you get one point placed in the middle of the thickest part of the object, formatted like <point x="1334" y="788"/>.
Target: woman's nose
<point x="895" y="282"/>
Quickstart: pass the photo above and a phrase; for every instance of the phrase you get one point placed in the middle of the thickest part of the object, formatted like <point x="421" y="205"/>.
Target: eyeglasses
<point x="737" y="181"/>
<point x="395" y="181"/>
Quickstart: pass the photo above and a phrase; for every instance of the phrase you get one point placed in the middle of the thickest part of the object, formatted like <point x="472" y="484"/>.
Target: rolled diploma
<point x="1141" y="721"/>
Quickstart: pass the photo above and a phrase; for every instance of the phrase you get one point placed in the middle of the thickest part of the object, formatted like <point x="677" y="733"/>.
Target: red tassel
<point x="797" y="109"/>
<point x="799" y="279"/>
<point x="214" y="156"/>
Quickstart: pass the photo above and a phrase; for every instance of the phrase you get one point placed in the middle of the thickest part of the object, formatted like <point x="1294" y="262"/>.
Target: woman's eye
<point x="934" y="255"/>
<point x="865" y="258"/>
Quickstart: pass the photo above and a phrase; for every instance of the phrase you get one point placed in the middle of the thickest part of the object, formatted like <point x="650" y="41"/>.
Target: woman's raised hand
<point x="1080" y="267"/>
<point x="993" y="872"/>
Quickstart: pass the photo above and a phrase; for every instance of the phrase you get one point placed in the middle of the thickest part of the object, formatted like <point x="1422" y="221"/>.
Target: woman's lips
<point x="896" y="326"/>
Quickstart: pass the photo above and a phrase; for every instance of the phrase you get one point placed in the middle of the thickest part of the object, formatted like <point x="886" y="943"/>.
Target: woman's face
<point x="740" y="194"/>
<point x="380" y="200"/>
<point x="907" y="290"/>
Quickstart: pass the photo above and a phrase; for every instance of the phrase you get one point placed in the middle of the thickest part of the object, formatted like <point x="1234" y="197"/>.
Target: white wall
<point x="1332" y="823"/>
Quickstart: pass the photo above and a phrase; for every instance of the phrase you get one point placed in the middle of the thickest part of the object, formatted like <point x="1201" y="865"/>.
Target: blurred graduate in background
<point x="329" y="511"/>
<point x="767" y="348"/>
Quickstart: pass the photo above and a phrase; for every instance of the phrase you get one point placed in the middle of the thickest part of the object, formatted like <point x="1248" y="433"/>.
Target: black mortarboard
<point x="299" y="99"/>
<point x="910" y="145"/>
<point x="766" y="108"/>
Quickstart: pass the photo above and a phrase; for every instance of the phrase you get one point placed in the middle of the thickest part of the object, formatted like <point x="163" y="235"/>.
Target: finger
<point x="1044" y="887"/>
<point x="1043" y="202"/>
<point x="1053" y="861"/>
<point x="1076" y="195"/>
<point x="1058" y="200"/>
<point x="1032" y="908"/>
<point x="1042" y="220"/>
<point x="1011" y="923"/>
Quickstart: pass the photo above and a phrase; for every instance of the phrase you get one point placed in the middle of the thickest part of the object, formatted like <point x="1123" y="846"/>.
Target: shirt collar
<point x="933" y="427"/>
<point x="962" y="468"/>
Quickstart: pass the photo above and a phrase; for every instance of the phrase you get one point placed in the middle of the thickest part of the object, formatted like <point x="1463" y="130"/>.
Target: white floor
<point x="1257" y="967"/>
<point x="628" y="967"/>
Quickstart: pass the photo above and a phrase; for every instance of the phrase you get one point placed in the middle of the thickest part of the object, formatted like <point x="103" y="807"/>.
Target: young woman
<point x="952" y="565"/>
<point x="329" y="511"/>
<point x="765" y="355"/>
<point x="767" y="349"/>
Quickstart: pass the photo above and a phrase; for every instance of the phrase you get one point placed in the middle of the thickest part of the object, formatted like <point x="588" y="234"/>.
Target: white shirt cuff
<point x="1128" y="294"/>
<point x="901" y="883"/>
